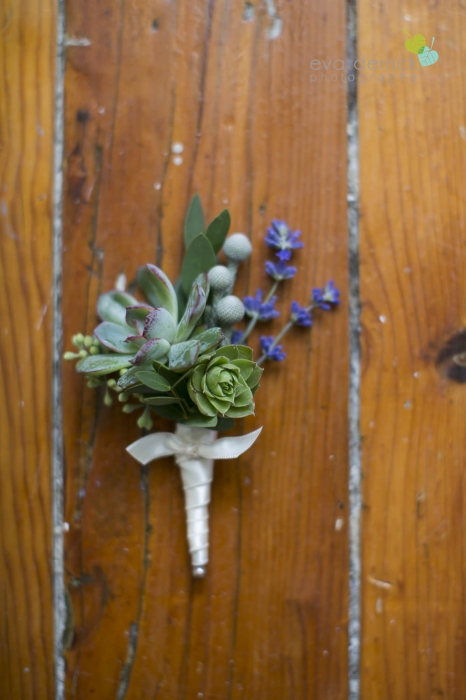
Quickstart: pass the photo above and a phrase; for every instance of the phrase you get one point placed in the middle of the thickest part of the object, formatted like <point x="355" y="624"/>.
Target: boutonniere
<point x="178" y="351"/>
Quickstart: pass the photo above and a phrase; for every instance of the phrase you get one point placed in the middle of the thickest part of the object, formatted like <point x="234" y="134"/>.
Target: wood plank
<point x="413" y="165"/>
<point x="27" y="61"/>
<point x="270" y="618"/>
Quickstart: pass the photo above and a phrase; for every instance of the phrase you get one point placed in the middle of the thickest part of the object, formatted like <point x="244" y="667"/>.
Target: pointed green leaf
<point x="153" y="380"/>
<point x="194" y="223"/>
<point x="181" y="296"/>
<point x="162" y="400"/>
<point x="217" y="230"/>
<point x="158" y="289"/>
<point x="172" y="412"/>
<point x="103" y="364"/>
<point x="225" y="423"/>
<point x="200" y="421"/>
<point x="183" y="355"/>
<point x="200" y="257"/>
<point x="112" y="306"/>
<point x="129" y="379"/>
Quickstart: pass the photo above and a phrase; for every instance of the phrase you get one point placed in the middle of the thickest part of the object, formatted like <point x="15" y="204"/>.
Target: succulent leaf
<point x="209" y="339"/>
<point x="154" y="349"/>
<point x="136" y="315"/>
<point x="103" y="364"/>
<point x="158" y="289"/>
<point x="115" y="337"/>
<point x="194" y="308"/>
<point x="112" y="306"/>
<point x="160" y="324"/>
<point x="182" y="356"/>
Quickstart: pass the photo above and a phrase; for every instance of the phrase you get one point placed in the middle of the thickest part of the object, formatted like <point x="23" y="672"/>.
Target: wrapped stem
<point x="196" y="476"/>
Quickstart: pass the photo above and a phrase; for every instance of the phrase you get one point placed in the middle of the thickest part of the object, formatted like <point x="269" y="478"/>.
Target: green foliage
<point x="160" y="356"/>
<point x="200" y="257"/>
<point x="217" y="230"/>
<point x="194" y="223"/>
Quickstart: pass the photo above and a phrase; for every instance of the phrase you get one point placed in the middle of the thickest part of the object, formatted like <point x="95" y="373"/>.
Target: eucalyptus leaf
<point x="103" y="364"/>
<point x="112" y="306"/>
<point x="153" y="380"/>
<point x="183" y="355"/>
<point x="200" y="257"/>
<point x="158" y="289"/>
<point x="114" y="337"/>
<point x="217" y="230"/>
<point x="194" y="223"/>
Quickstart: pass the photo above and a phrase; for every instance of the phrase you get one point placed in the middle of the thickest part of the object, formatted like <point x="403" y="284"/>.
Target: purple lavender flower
<point x="279" y="271"/>
<point x="275" y="353"/>
<point x="280" y="236"/>
<point x="324" y="298"/>
<point x="236" y="337"/>
<point x="264" y="311"/>
<point x="300" y="315"/>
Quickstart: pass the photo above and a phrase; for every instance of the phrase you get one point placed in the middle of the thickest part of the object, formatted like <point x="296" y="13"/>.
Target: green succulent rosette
<point x="223" y="383"/>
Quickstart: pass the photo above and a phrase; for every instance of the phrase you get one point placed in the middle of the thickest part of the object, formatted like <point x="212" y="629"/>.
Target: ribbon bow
<point x="194" y="450"/>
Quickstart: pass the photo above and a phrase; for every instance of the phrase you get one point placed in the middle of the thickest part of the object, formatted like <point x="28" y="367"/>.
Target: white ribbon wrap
<point x="195" y="450"/>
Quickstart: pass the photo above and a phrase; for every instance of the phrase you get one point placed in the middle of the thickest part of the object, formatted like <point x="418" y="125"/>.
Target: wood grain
<point x="27" y="57"/>
<point x="413" y="215"/>
<point x="269" y="621"/>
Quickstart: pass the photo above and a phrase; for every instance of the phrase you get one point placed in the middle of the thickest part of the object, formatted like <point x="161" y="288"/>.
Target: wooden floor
<point x="256" y="94"/>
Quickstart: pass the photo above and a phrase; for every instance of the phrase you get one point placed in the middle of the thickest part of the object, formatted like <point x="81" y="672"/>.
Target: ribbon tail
<point x="229" y="447"/>
<point x="152" y="447"/>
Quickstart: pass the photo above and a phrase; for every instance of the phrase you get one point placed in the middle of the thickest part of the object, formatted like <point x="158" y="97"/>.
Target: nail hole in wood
<point x="451" y="360"/>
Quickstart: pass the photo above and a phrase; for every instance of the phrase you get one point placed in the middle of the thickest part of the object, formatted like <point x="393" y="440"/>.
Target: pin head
<point x="199" y="571"/>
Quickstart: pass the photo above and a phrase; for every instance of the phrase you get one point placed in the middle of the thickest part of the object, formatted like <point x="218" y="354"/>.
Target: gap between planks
<point x="354" y="606"/>
<point x="59" y="605"/>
